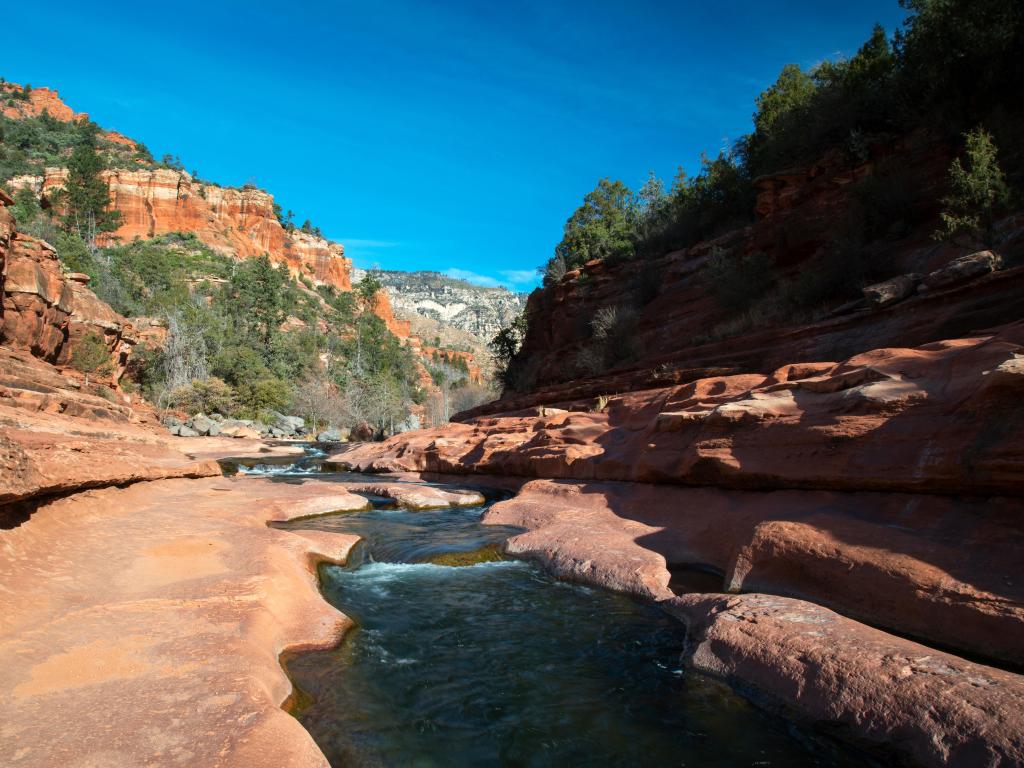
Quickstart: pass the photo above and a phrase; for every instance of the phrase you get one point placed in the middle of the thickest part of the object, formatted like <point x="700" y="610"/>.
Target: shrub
<point x="978" y="192"/>
<point x="262" y="395"/>
<point x="90" y="355"/>
<point x="737" y="282"/>
<point x="203" y="396"/>
<point x="504" y="349"/>
<point x="612" y="334"/>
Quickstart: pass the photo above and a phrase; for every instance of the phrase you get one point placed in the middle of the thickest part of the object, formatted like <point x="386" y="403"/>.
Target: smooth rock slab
<point x="937" y="709"/>
<point x="143" y="626"/>
<point x="411" y="496"/>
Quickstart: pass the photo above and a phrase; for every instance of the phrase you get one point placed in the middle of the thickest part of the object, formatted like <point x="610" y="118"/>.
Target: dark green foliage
<point x="226" y="352"/>
<point x="368" y="288"/>
<point x="29" y="145"/>
<point x="85" y="197"/>
<point x="736" y="282"/>
<point x="26" y="208"/>
<point x="257" y="288"/>
<point x="602" y="228"/>
<point x="90" y="355"/>
<point x="719" y="198"/>
<point x="960" y="60"/>
<point x="505" y="348"/>
<point x="978" y="191"/>
<point x="837" y="104"/>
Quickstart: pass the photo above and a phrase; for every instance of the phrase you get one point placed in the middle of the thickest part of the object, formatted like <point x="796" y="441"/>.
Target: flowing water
<point x="497" y="663"/>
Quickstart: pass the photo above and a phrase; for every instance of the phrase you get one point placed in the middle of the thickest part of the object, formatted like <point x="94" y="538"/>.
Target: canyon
<point x="244" y="223"/>
<point x="792" y="522"/>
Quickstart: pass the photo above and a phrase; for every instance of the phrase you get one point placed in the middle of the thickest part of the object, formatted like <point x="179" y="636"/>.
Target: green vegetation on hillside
<point x="243" y="338"/>
<point x="30" y="145"/>
<point x="955" y="65"/>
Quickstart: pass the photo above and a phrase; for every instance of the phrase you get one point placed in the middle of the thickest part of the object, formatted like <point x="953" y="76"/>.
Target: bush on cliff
<point x="91" y="356"/>
<point x="30" y="145"/>
<point x="736" y="282"/>
<point x="954" y="64"/>
<point x="505" y="348"/>
<point x="978" y="192"/>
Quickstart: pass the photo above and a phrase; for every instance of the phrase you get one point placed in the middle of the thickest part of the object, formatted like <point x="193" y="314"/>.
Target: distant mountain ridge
<point x="476" y="309"/>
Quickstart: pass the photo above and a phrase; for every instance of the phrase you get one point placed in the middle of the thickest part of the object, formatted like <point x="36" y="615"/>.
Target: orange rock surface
<point x="148" y="623"/>
<point x="240" y="223"/>
<point x="887" y="488"/>
<point x="47" y="100"/>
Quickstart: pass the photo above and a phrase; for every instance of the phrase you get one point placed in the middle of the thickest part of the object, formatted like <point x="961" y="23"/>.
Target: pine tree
<point x="978" y="192"/>
<point x="86" y="198"/>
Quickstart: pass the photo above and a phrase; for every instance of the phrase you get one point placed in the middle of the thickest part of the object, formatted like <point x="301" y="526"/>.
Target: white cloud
<point x="520" y="276"/>
<point x="473" y="277"/>
<point x="356" y="242"/>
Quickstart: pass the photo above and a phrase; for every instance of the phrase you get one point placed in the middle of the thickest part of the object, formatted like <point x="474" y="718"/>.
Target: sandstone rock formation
<point x="17" y="103"/>
<point x="410" y="496"/>
<point x="45" y="311"/>
<point x="675" y="323"/>
<point x="240" y="223"/>
<point x="935" y="708"/>
<point x="171" y="597"/>
<point x="886" y="488"/>
<point x="153" y="618"/>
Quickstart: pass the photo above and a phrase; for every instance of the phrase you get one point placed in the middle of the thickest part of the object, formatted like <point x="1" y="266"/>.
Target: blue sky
<point x="451" y="136"/>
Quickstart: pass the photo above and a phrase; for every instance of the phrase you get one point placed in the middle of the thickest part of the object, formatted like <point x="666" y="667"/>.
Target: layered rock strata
<point x="240" y="223"/>
<point x="883" y="489"/>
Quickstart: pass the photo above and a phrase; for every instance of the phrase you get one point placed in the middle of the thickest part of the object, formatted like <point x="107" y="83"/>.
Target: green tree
<point x="367" y="290"/>
<point x="90" y="355"/>
<point x="26" y="207"/>
<point x="505" y="347"/>
<point x="791" y="93"/>
<point x="978" y="191"/>
<point x="604" y="227"/>
<point x="85" y="198"/>
<point x="259" y="290"/>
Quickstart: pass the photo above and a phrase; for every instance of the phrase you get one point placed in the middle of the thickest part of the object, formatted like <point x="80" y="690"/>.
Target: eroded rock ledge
<point x="884" y="489"/>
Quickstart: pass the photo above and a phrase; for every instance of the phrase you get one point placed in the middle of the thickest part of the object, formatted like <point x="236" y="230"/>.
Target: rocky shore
<point x="859" y="521"/>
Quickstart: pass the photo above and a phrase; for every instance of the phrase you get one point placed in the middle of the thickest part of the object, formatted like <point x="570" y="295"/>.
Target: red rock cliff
<point x="41" y="101"/>
<point x="676" y="325"/>
<point x="234" y="222"/>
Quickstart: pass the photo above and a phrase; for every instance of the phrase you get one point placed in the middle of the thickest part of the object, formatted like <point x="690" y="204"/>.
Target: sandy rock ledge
<point x="148" y="622"/>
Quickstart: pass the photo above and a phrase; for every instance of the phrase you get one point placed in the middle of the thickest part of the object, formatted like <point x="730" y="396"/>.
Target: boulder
<point x="260" y="427"/>
<point x="201" y="424"/>
<point x="214" y="429"/>
<point x="929" y="707"/>
<point x="964" y="268"/>
<point x="362" y="432"/>
<point x="184" y="431"/>
<point x="239" y="431"/>
<point x="171" y="421"/>
<point x="290" y="425"/>
<point x="891" y="291"/>
<point x="330" y="435"/>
